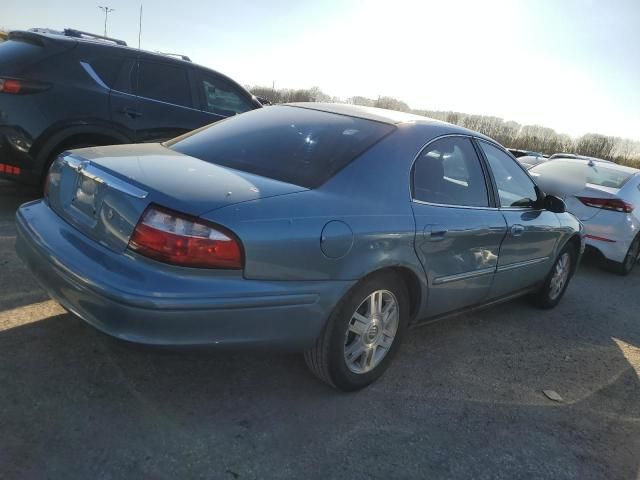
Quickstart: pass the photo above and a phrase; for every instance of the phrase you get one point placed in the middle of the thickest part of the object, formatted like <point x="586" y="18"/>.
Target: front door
<point x="532" y="233"/>
<point x="458" y="228"/>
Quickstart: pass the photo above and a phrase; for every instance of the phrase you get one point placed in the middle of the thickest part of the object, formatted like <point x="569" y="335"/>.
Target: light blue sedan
<point x="321" y="228"/>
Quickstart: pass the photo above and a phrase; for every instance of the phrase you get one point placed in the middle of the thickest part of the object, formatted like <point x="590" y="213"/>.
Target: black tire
<point x="326" y="358"/>
<point x="630" y="260"/>
<point x="548" y="296"/>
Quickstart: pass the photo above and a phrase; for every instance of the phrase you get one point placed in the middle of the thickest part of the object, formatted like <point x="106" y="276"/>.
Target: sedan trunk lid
<point x="103" y="191"/>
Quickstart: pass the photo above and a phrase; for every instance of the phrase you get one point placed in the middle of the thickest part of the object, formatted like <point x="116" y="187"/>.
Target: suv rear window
<point x="597" y="174"/>
<point x="291" y="144"/>
<point x="14" y="52"/>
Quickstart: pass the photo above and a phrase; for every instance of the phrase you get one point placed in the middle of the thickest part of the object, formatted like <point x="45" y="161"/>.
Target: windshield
<point x="291" y="144"/>
<point x="596" y="174"/>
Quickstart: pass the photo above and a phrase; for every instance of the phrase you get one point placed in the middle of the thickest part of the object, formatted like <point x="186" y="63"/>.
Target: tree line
<point x="509" y="133"/>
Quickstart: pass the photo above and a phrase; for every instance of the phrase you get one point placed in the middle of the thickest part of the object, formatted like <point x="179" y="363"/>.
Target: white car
<point x="605" y="197"/>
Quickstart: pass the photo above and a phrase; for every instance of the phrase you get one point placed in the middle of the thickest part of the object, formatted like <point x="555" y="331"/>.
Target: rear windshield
<point x="17" y="52"/>
<point x="604" y="176"/>
<point x="294" y="145"/>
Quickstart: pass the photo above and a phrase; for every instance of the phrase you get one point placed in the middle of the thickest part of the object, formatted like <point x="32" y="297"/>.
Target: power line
<point x="107" y="10"/>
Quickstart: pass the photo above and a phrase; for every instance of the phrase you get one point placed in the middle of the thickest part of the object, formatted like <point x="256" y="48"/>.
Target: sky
<point x="572" y="65"/>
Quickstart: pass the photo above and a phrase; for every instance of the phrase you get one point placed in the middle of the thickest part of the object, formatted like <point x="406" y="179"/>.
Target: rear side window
<point x="448" y="172"/>
<point x="164" y="82"/>
<point x="107" y="68"/>
<point x="295" y="145"/>
<point x="596" y="174"/>
<point x="221" y="98"/>
<point x="515" y="188"/>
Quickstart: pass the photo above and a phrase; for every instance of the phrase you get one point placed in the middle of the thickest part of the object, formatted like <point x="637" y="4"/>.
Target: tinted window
<point x="107" y="68"/>
<point x="596" y="174"/>
<point x="160" y="81"/>
<point x="295" y="145"/>
<point x="221" y="98"/>
<point x="449" y="172"/>
<point x="514" y="186"/>
<point x="14" y="52"/>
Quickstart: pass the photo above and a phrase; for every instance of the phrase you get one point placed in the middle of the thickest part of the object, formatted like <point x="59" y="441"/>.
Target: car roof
<point x="390" y="117"/>
<point x="604" y="163"/>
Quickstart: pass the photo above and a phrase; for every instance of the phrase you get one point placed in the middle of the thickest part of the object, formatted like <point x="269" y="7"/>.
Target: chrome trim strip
<point x="421" y="202"/>
<point x="463" y="276"/>
<point x="92" y="73"/>
<point x="84" y="167"/>
<point x="167" y="103"/>
<point x="526" y="263"/>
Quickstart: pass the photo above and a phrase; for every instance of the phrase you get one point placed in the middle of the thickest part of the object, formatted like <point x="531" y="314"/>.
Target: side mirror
<point x="554" y="204"/>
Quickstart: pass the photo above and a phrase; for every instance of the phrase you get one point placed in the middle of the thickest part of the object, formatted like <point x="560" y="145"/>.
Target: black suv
<point x="64" y="90"/>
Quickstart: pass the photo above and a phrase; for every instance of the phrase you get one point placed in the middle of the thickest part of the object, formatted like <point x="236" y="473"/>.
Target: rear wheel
<point x="558" y="279"/>
<point x="362" y="334"/>
<point x="630" y="260"/>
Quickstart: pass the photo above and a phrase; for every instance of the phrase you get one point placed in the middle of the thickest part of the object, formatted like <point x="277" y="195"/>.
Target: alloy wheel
<point x="371" y="331"/>
<point x="560" y="275"/>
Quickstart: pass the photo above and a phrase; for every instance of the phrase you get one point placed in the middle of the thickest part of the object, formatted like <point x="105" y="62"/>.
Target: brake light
<point x="10" y="86"/>
<point x="10" y="169"/>
<point x="177" y="239"/>
<point x="613" y="204"/>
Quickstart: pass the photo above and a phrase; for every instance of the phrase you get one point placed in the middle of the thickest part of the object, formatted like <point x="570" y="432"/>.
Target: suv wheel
<point x="362" y="334"/>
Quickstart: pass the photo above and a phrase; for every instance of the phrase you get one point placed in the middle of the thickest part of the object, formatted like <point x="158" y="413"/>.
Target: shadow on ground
<point x="462" y="400"/>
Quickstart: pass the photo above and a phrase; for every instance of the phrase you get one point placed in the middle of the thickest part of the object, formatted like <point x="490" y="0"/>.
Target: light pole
<point x="107" y="11"/>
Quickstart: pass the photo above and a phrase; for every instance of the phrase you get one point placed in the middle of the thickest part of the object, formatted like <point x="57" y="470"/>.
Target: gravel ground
<point x="463" y="398"/>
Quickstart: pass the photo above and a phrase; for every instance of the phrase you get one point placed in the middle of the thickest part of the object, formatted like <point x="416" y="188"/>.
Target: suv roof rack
<point x="70" y="32"/>
<point x="183" y="57"/>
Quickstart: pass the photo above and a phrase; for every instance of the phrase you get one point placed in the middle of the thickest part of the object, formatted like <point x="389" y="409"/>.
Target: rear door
<point x="458" y="227"/>
<point x="526" y="254"/>
<point x="124" y="104"/>
<point x="166" y="105"/>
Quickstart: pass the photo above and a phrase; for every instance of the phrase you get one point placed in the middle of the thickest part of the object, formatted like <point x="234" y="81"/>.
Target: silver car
<point x="605" y="197"/>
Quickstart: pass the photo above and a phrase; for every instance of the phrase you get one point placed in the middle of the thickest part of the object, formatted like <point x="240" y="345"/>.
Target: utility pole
<point x="107" y="11"/>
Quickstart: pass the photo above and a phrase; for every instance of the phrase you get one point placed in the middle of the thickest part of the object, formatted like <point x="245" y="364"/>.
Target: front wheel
<point x="557" y="281"/>
<point x="362" y="334"/>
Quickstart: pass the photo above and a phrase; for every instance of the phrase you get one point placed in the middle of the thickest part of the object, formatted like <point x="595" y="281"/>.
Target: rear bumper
<point x="142" y="301"/>
<point x="612" y="241"/>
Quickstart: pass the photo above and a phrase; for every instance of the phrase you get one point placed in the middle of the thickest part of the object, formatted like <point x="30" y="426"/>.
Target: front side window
<point x="448" y="172"/>
<point x="221" y="98"/>
<point x="167" y="83"/>
<point x="515" y="188"/>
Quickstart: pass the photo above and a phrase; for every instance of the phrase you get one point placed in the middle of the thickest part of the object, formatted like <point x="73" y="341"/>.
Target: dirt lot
<point x="462" y="400"/>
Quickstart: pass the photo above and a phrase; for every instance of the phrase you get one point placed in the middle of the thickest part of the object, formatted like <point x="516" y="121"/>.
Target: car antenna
<point x="140" y="27"/>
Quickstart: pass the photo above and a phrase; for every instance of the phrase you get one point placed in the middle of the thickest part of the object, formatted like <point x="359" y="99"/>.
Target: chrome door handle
<point x="517" y="230"/>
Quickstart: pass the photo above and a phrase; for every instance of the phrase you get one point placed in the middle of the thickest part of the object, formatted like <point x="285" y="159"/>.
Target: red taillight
<point x="614" y="204"/>
<point x="10" y="169"/>
<point x="170" y="237"/>
<point x="10" y="86"/>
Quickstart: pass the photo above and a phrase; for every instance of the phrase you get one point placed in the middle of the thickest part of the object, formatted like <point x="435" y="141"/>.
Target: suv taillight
<point x="177" y="239"/>
<point x="614" y="204"/>
<point x="10" y="86"/>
